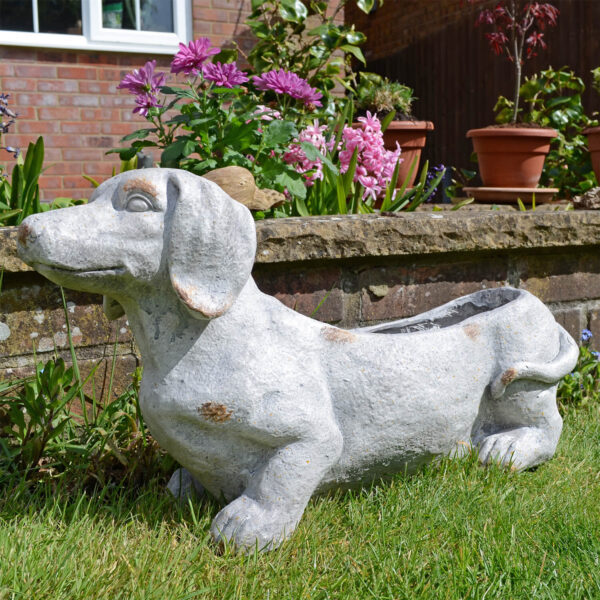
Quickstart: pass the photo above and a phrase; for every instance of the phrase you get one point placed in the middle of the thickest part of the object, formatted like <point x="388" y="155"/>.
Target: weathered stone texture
<point x="33" y="312"/>
<point x="343" y="237"/>
<point x="594" y="327"/>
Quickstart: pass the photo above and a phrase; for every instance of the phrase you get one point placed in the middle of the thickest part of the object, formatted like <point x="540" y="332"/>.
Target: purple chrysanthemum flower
<point x="225" y="75"/>
<point x="284" y="82"/>
<point x="190" y="58"/>
<point x="144" y="102"/>
<point x="143" y="80"/>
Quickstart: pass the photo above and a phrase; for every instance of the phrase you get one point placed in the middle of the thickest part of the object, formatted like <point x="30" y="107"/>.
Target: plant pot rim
<point x="426" y="125"/>
<point x="592" y="130"/>
<point x="542" y="132"/>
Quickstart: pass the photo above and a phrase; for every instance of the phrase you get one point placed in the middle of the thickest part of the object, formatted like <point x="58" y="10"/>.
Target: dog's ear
<point x="211" y="247"/>
<point x="112" y="309"/>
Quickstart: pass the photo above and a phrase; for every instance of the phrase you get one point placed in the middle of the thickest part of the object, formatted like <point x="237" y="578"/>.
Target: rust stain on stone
<point x="23" y="233"/>
<point x="509" y="376"/>
<point x="472" y="331"/>
<point x="186" y="295"/>
<point x="140" y="184"/>
<point x="217" y="413"/>
<point x="332" y="334"/>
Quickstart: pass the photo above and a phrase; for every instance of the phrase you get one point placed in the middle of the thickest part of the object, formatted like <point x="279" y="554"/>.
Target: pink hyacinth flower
<point x="224" y="75"/>
<point x="189" y="59"/>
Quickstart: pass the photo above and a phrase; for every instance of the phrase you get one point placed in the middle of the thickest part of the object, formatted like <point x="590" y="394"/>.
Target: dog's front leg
<point x="271" y="506"/>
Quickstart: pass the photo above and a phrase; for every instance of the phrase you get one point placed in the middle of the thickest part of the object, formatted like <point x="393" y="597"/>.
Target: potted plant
<point x="593" y="133"/>
<point x="512" y="155"/>
<point x="380" y="96"/>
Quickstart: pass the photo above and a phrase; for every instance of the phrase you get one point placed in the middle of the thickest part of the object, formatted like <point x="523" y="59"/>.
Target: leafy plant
<point x="44" y="436"/>
<point x="215" y="122"/>
<point x="581" y="387"/>
<point x="314" y="51"/>
<point x="461" y="178"/>
<point x="553" y="99"/>
<point x="21" y="197"/>
<point x="596" y="79"/>
<point x="517" y="34"/>
<point x="33" y="421"/>
<point x="381" y="96"/>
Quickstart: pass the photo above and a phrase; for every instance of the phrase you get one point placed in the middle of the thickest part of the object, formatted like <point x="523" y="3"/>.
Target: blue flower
<point x="586" y="335"/>
<point x="596" y="355"/>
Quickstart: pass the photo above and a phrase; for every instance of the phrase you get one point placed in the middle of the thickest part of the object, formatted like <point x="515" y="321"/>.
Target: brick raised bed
<point x="345" y="270"/>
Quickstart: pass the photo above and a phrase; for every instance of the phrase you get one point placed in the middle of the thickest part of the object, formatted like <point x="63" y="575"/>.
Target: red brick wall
<point x="70" y="98"/>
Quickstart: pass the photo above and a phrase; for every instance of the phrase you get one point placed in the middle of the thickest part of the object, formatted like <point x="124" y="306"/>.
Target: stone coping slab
<point x="351" y="236"/>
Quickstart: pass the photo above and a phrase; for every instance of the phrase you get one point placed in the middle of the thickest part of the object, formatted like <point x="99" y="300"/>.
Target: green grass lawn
<point x="453" y="531"/>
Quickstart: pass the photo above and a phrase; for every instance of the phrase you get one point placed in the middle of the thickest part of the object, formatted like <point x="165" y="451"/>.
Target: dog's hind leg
<point x="529" y="436"/>
<point x="521" y="424"/>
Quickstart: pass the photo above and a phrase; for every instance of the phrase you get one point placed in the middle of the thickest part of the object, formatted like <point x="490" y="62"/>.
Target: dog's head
<point x="145" y="229"/>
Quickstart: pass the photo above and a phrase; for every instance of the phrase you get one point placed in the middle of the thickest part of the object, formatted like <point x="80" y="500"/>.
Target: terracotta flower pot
<point x="593" y="135"/>
<point x="511" y="156"/>
<point x="411" y="135"/>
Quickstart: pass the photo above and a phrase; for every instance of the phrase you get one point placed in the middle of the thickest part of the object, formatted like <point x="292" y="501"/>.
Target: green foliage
<point x="596" y="79"/>
<point x="219" y="127"/>
<point x="338" y="193"/>
<point x="553" y="99"/>
<point x="46" y="434"/>
<point x="33" y="421"/>
<point x="581" y="387"/>
<point x="379" y="95"/>
<point x="460" y="179"/>
<point x="316" y="54"/>
<point x="20" y="197"/>
<point x="51" y="430"/>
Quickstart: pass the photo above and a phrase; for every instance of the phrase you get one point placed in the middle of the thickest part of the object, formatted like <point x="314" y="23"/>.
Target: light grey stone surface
<point x="266" y="406"/>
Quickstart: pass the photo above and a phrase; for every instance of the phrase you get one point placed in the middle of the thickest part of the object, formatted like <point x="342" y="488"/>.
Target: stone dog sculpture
<point x="267" y="406"/>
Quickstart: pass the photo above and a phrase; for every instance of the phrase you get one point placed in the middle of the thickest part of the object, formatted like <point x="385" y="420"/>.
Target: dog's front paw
<point x="247" y="524"/>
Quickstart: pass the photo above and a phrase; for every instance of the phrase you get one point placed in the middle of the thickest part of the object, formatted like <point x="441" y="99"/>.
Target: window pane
<point x="16" y="15"/>
<point x="157" y="15"/>
<point x="118" y="14"/>
<point x="60" y="16"/>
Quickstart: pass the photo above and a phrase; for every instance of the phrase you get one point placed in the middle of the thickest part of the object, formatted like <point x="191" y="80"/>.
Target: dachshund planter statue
<point x="267" y="407"/>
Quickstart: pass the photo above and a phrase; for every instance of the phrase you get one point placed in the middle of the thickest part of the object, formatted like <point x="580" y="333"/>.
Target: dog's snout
<point x="26" y="234"/>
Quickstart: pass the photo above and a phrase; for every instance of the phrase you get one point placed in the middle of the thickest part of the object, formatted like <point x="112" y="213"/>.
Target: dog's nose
<point x="26" y="234"/>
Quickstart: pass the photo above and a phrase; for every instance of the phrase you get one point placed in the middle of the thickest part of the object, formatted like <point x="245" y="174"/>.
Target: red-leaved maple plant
<point x="518" y="32"/>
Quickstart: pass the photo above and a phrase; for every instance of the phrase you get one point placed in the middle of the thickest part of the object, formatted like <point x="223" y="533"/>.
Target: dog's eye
<point x="138" y="204"/>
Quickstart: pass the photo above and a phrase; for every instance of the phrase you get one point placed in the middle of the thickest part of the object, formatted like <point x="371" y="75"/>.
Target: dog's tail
<point x="550" y="372"/>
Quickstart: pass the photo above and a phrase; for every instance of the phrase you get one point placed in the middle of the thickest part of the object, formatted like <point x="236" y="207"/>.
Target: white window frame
<point x="96" y="37"/>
